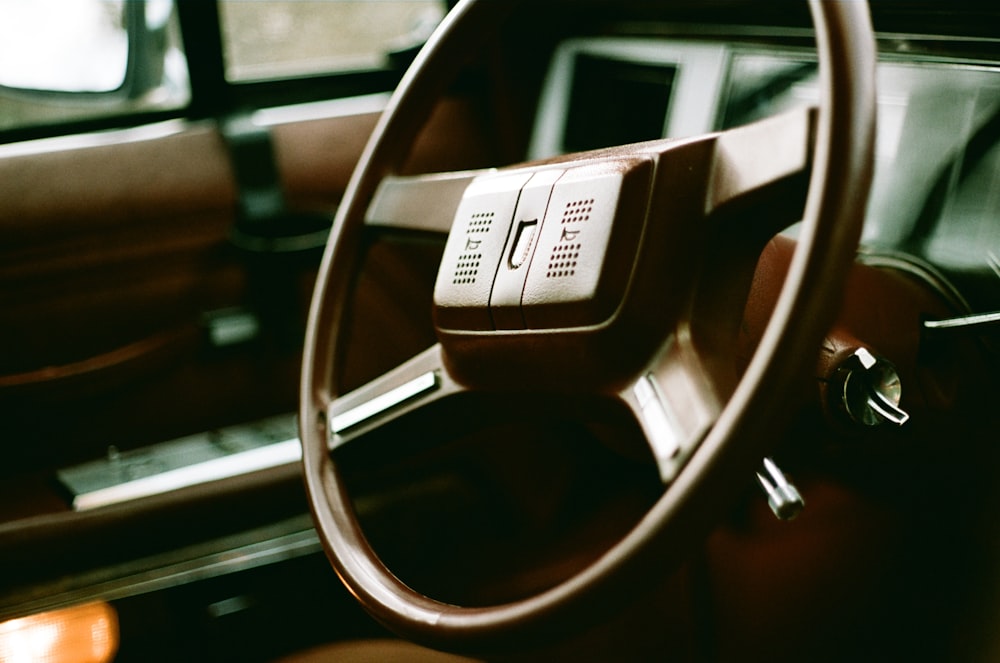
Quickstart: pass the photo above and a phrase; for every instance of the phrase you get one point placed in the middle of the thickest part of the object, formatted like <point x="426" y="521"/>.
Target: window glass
<point x="78" y="46"/>
<point x="936" y="187"/>
<point x="268" y="40"/>
<point x="71" y="60"/>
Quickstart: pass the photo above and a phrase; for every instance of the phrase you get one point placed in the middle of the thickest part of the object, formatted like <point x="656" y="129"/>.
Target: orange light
<point x="81" y="634"/>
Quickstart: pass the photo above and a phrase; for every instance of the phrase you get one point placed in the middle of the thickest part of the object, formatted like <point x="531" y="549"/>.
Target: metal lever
<point x="978" y="322"/>
<point x="885" y="407"/>
<point x="782" y="496"/>
<point x="869" y="390"/>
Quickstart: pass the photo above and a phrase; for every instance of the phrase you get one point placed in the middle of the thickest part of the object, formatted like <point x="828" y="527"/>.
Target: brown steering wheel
<point x="555" y="280"/>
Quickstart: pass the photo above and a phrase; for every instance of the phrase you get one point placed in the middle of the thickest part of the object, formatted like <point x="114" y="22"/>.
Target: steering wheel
<point x="621" y="273"/>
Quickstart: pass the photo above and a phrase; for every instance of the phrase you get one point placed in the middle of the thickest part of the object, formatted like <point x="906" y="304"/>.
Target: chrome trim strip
<point x="227" y="467"/>
<point x="360" y="413"/>
<point x="283" y="541"/>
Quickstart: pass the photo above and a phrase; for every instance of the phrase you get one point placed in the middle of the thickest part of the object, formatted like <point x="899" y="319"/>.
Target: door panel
<point x="115" y="263"/>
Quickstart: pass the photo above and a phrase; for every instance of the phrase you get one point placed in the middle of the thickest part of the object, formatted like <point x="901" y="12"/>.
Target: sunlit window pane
<point x="78" y="46"/>
<point x="266" y="40"/>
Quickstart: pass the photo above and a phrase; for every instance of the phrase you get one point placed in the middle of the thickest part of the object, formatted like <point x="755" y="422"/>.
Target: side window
<point x="88" y="59"/>
<point x="77" y="65"/>
<point x="290" y="38"/>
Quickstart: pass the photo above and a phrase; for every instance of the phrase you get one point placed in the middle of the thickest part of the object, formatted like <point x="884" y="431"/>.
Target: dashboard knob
<point x="868" y="390"/>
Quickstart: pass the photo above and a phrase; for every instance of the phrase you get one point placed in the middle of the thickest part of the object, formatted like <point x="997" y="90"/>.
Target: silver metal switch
<point x="782" y="496"/>
<point x="869" y="390"/>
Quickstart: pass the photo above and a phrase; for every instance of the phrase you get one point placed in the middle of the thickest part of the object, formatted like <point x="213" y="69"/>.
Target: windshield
<point x="937" y="173"/>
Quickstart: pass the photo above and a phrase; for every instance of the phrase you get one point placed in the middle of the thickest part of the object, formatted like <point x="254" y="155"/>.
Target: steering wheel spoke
<point x="749" y="158"/>
<point x="418" y="202"/>
<point x="410" y="386"/>
<point x="675" y="405"/>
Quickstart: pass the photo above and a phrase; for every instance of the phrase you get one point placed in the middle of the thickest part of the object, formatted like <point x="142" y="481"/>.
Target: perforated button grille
<point x="578" y="211"/>
<point x="563" y="261"/>
<point x="480" y="223"/>
<point x="467" y="265"/>
<point x="566" y="253"/>
<point x="467" y="269"/>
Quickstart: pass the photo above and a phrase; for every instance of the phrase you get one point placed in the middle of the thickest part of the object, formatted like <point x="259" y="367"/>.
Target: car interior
<point x="592" y="330"/>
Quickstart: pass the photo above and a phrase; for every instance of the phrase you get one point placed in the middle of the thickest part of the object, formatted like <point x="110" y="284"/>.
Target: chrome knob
<point x="782" y="496"/>
<point x="869" y="390"/>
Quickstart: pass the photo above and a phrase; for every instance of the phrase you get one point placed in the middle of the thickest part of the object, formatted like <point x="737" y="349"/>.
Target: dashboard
<point x="937" y="177"/>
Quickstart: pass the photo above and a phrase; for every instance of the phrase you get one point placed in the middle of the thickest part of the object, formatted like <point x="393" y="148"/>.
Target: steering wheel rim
<point x="838" y="188"/>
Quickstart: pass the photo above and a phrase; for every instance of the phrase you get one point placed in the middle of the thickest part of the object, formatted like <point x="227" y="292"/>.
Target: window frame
<point x="211" y="94"/>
